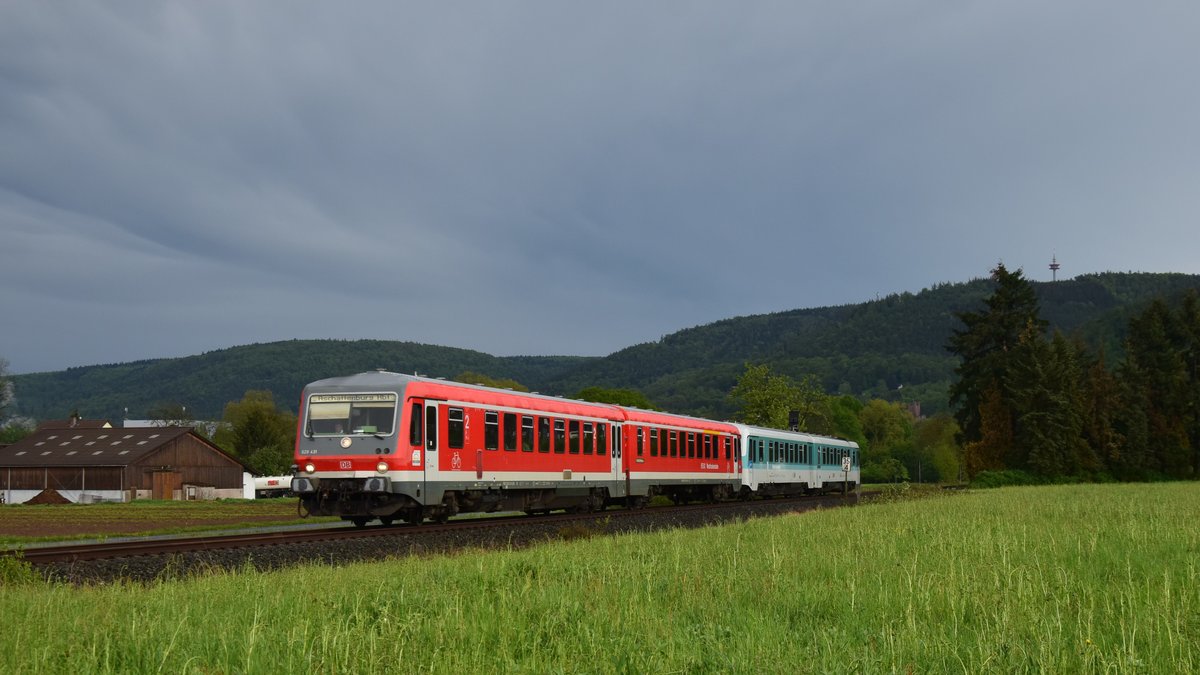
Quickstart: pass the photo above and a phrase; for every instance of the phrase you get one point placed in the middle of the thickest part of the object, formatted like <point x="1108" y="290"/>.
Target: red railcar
<point x="390" y="446"/>
<point x="684" y="458"/>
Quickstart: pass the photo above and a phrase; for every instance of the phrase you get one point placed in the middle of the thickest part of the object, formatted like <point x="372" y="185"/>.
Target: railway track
<point x="151" y="558"/>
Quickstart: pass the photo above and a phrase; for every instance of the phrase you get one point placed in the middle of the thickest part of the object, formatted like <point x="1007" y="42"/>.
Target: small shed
<point x="86" y="463"/>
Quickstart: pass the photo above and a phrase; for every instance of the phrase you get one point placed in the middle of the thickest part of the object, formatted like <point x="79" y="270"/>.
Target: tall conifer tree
<point x="989" y="346"/>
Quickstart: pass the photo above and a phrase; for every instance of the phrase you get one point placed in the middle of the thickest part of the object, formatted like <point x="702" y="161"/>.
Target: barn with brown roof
<point x="87" y="463"/>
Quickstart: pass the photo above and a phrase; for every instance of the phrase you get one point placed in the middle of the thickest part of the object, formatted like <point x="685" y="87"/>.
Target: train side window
<point x="414" y="425"/>
<point x="527" y="433"/>
<point x="573" y="437"/>
<point x="640" y="433"/>
<point x="588" y="438"/>
<point x="691" y="444"/>
<point x="543" y="434"/>
<point x="728" y="447"/>
<point x="602" y="438"/>
<point x="491" y="430"/>
<point x="560" y="437"/>
<point x="708" y="447"/>
<point x="454" y="427"/>
<point x="510" y="432"/>
<point x="674" y="438"/>
<point x="654" y="442"/>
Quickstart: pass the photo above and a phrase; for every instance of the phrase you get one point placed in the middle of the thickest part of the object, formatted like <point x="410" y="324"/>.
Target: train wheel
<point x="387" y="520"/>
<point x="360" y="521"/>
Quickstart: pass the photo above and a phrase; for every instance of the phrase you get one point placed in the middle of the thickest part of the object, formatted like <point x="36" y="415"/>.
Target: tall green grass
<point x="1051" y="579"/>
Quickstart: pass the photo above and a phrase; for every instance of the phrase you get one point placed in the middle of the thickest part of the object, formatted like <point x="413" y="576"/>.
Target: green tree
<point x="995" y="436"/>
<point x="1045" y="388"/>
<point x="844" y="419"/>
<point x="768" y="399"/>
<point x="887" y="428"/>
<point x="14" y="429"/>
<point x="1101" y="403"/>
<point x="1158" y="356"/>
<point x="1189" y="335"/>
<point x="884" y="424"/>
<point x="259" y="434"/>
<point x="989" y="347"/>
<point x="936" y="441"/>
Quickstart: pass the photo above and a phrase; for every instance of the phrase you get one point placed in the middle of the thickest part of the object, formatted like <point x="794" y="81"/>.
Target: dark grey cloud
<point x="565" y="177"/>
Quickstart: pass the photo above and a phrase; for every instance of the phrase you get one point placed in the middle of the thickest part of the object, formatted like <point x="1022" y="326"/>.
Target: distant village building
<point x="90" y="461"/>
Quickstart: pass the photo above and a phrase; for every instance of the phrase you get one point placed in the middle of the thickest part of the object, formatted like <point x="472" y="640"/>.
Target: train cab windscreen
<point x="338" y="414"/>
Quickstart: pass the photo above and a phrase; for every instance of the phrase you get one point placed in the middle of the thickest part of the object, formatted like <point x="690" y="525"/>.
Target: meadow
<point x="1069" y="579"/>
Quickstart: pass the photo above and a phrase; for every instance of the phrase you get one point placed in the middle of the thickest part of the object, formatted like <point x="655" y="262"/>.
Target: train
<point x="393" y="447"/>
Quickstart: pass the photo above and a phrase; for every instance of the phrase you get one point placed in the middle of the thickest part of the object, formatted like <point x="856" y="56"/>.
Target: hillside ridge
<point x="892" y="348"/>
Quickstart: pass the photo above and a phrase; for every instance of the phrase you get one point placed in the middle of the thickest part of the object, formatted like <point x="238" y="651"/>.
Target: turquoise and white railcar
<point x="777" y="462"/>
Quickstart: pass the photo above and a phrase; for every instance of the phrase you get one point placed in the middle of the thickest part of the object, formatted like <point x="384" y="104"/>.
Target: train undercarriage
<point x="353" y="499"/>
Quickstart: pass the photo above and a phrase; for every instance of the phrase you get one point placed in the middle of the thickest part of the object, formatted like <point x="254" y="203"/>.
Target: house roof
<point x="91" y="447"/>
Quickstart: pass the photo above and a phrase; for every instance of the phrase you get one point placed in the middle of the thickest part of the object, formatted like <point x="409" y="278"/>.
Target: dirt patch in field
<point x="118" y="527"/>
<point x="106" y="520"/>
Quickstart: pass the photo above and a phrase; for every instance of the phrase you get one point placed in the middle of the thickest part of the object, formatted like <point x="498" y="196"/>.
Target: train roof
<point x="796" y="436"/>
<point x="478" y="393"/>
<point x="467" y="393"/>
<point x="655" y="417"/>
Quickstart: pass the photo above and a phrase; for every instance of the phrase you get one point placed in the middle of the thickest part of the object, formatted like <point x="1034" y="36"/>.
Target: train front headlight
<point x="310" y="468"/>
<point x="382" y="467"/>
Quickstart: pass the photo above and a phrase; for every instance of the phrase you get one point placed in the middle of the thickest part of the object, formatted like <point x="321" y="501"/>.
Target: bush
<point x="16" y="570"/>
<point x="890" y="470"/>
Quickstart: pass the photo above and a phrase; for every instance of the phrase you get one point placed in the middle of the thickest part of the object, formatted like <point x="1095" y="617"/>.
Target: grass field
<point x="1055" y="579"/>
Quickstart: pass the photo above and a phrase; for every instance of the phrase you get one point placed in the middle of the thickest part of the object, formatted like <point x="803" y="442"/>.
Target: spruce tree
<point x="990" y="345"/>
<point x="1155" y="370"/>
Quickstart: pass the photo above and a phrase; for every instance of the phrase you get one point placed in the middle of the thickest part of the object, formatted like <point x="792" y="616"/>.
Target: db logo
<point x="345" y="465"/>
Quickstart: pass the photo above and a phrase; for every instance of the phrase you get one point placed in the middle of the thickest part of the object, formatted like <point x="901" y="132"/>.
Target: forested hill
<point x="205" y="383"/>
<point x="891" y="348"/>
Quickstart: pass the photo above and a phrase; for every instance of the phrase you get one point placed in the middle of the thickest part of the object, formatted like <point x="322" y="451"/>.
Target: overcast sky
<point x="566" y="177"/>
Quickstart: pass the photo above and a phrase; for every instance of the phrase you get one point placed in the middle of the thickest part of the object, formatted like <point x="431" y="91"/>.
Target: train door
<point x="620" y="471"/>
<point x="432" y="445"/>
